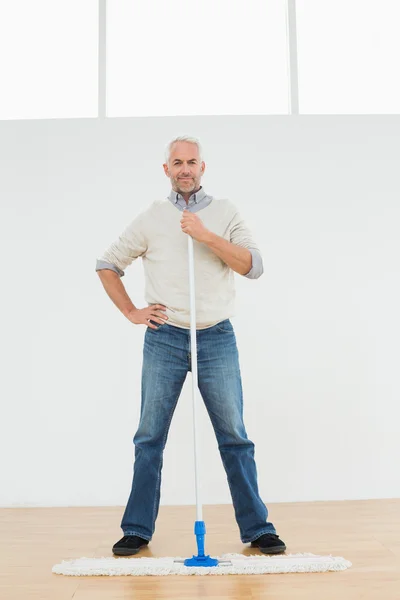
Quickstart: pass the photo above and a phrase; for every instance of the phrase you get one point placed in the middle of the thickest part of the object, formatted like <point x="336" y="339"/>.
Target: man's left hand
<point x="193" y="225"/>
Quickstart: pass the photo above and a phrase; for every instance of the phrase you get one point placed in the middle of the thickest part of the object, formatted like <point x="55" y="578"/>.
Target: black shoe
<point x="128" y="545"/>
<point x="269" y="543"/>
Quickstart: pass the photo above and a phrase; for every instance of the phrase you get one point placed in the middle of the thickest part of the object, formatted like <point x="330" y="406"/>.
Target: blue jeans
<point x="166" y="361"/>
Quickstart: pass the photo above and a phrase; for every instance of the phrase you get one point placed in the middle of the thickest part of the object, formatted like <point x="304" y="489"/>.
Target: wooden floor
<point x="366" y="532"/>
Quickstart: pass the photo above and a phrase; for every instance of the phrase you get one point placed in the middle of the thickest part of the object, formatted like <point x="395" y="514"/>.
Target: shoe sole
<point x="276" y="550"/>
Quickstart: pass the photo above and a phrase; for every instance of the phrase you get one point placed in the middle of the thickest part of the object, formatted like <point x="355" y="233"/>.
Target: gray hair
<point x="183" y="138"/>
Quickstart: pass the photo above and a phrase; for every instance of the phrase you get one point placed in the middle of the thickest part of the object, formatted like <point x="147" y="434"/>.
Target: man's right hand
<point x="143" y="315"/>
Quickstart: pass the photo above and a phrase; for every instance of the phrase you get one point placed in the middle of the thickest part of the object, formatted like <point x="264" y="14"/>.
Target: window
<point x="48" y="59"/>
<point x="196" y="58"/>
<point x="348" y="56"/>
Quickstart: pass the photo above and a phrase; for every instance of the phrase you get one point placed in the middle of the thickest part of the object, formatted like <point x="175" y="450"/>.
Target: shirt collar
<point x="194" y="198"/>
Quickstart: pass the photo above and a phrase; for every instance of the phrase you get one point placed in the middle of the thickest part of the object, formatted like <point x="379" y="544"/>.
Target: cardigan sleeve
<point x="130" y="244"/>
<point x="240" y="235"/>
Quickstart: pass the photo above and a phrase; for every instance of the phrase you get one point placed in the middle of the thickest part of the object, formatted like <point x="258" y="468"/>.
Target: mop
<point x="201" y="563"/>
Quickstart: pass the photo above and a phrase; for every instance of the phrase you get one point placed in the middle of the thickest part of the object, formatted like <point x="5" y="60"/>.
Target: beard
<point x="184" y="184"/>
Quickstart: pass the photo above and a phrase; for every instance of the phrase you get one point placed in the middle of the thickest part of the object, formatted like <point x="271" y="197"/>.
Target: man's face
<point x="184" y="169"/>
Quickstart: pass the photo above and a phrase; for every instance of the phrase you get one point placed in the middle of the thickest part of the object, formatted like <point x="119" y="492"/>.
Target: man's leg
<point x="165" y="366"/>
<point x="221" y="388"/>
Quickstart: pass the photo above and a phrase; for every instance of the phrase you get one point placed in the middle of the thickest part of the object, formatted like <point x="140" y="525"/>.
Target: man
<point x="222" y="244"/>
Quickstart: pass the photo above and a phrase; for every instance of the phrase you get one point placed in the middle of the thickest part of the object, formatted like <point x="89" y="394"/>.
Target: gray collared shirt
<point x="197" y="201"/>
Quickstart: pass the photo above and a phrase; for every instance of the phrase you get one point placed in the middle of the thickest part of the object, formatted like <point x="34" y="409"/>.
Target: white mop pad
<point x="234" y="564"/>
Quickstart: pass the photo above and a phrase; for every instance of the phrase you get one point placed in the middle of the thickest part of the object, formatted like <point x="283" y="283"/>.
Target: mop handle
<point x="193" y="349"/>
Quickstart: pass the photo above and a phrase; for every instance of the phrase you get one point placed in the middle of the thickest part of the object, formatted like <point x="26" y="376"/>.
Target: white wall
<point x="318" y="333"/>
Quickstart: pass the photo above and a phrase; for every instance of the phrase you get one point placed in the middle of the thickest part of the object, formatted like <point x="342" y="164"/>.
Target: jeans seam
<point x="242" y="539"/>
<point x="226" y="471"/>
<point x="224" y="464"/>
<point x="138" y="534"/>
<point x="161" y="455"/>
<point x="229" y="484"/>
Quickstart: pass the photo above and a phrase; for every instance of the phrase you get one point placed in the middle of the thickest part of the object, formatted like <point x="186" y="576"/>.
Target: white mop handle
<point x="193" y="349"/>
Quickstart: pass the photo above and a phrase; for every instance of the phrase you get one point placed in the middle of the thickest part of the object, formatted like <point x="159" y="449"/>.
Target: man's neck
<point x="187" y="196"/>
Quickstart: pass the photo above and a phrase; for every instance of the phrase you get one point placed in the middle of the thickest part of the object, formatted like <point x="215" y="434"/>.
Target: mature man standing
<point x="222" y="244"/>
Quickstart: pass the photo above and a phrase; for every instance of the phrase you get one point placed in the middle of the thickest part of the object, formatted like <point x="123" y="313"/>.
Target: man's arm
<point x="122" y="252"/>
<point x="239" y="259"/>
<point x="116" y="290"/>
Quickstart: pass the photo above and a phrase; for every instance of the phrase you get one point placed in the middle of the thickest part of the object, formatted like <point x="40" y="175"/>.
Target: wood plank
<point x="366" y="532"/>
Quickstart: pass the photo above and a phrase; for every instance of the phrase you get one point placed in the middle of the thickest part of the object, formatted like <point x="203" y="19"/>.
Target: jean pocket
<point x="224" y="326"/>
<point x="158" y="325"/>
